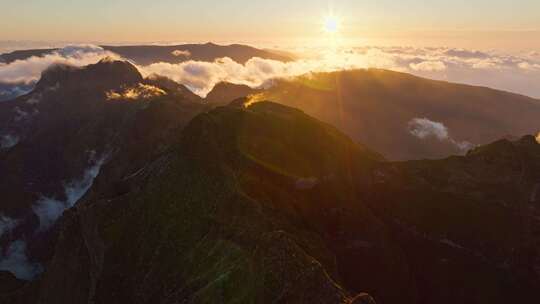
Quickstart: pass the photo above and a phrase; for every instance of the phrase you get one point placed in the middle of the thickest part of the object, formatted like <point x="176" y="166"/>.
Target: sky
<point x="481" y="24"/>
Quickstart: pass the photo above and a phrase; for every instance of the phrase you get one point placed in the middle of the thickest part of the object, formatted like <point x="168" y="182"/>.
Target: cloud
<point x="10" y="91"/>
<point x="8" y="141"/>
<point x="428" y="66"/>
<point x="464" y="53"/>
<point x="6" y="224"/>
<point x="424" y="128"/>
<point x="529" y="66"/>
<point x="201" y="77"/>
<point x="181" y="53"/>
<point x="16" y="261"/>
<point x="29" y="70"/>
<point x="140" y="91"/>
<point x="49" y="210"/>
<point x="517" y="73"/>
<point x="501" y="71"/>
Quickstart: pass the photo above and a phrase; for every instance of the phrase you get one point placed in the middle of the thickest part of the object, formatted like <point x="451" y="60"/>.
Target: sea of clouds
<point x="518" y="72"/>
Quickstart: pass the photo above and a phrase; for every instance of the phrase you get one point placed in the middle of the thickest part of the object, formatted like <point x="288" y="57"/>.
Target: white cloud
<point x="516" y="73"/>
<point x="49" y="210"/>
<point x="201" y="76"/>
<point x="500" y="71"/>
<point x="29" y="70"/>
<point x="424" y="128"/>
<point x="529" y="66"/>
<point x="181" y="53"/>
<point x="428" y="66"/>
<point x="16" y="261"/>
<point x="464" y="53"/>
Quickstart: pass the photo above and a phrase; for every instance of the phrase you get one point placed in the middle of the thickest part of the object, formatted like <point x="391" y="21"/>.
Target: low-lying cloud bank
<point x="18" y="77"/>
<point x="14" y="257"/>
<point x="517" y="73"/>
<point x="424" y="128"/>
<point x="29" y="70"/>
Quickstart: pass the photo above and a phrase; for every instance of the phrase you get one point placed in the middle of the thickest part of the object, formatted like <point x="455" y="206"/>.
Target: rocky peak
<point x="106" y="74"/>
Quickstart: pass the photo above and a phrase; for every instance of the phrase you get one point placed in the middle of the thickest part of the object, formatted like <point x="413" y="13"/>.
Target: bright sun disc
<point x="331" y="24"/>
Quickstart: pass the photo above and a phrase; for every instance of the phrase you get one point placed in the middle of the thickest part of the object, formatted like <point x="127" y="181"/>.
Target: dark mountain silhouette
<point x="24" y="54"/>
<point x="202" y="52"/>
<point x="255" y="203"/>
<point x="374" y="107"/>
<point x="223" y="93"/>
<point x="148" y="54"/>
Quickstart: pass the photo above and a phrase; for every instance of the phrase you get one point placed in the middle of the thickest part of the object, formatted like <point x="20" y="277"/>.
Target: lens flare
<point x="331" y="24"/>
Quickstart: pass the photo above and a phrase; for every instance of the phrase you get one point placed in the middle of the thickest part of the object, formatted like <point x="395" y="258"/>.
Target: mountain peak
<point x="105" y="74"/>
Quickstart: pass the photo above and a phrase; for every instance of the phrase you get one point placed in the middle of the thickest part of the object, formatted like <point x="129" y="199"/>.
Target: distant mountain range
<point x="120" y="189"/>
<point x="145" y="55"/>
<point x="377" y="108"/>
<point x="148" y="54"/>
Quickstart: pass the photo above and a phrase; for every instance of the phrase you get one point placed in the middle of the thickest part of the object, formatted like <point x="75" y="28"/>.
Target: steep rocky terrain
<point x="251" y="203"/>
<point x="469" y="222"/>
<point x="61" y="134"/>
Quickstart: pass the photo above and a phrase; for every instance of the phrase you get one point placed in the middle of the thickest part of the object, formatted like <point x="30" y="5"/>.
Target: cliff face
<point x="63" y="132"/>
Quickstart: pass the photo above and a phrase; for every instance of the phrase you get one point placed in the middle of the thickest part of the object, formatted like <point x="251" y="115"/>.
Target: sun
<point x="331" y="24"/>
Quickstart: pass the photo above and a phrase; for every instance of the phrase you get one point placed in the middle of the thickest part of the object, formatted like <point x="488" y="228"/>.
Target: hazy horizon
<point x="477" y="24"/>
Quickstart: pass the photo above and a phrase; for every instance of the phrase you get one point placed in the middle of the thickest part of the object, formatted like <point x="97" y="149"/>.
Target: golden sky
<point x="474" y="23"/>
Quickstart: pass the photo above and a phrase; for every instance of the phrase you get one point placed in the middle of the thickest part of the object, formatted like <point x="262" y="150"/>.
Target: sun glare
<point x="331" y="24"/>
